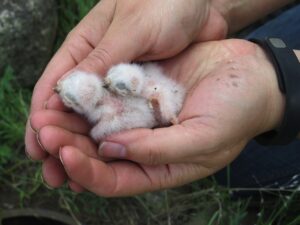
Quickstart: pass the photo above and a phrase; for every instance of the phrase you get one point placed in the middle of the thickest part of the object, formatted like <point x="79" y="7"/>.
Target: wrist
<point x="279" y="100"/>
<point x="286" y="65"/>
<point x="280" y="103"/>
<point x="279" y="97"/>
<point x="274" y="112"/>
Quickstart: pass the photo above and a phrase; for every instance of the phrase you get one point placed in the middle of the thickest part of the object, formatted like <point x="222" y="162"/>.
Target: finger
<point x="76" y="163"/>
<point x="125" y="178"/>
<point x="75" y="187"/>
<point x="69" y="121"/>
<point x="175" y="144"/>
<point x="94" y="25"/>
<point x="116" y="46"/>
<point x="215" y="27"/>
<point x="79" y="43"/>
<point x="53" y="172"/>
<point x="54" y="175"/>
<point x="52" y="138"/>
<point x="33" y="149"/>
<point x="77" y="46"/>
<point x="42" y="91"/>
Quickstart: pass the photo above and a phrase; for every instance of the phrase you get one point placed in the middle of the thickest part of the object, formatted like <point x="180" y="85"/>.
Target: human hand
<point x="118" y="31"/>
<point x="233" y="96"/>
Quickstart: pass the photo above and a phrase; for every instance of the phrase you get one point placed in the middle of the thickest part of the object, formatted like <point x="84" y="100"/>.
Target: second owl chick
<point x="164" y="95"/>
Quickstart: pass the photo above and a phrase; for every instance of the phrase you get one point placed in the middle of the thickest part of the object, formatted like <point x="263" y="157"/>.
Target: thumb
<point x="175" y="144"/>
<point x="115" y="47"/>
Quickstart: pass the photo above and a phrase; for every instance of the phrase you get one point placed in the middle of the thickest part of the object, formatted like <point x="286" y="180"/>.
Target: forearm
<point x="240" y="13"/>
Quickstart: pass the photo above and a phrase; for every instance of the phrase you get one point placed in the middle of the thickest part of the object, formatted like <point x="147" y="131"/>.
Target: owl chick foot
<point x="162" y="113"/>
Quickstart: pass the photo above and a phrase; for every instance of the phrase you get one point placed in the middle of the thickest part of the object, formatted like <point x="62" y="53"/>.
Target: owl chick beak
<point x="106" y="82"/>
<point x="57" y="89"/>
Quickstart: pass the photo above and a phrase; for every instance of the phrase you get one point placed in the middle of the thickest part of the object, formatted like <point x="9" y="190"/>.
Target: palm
<point x="224" y="109"/>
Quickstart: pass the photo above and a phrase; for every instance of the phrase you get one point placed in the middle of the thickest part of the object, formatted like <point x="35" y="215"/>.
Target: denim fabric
<point x="272" y="166"/>
<point x="285" y="26"/>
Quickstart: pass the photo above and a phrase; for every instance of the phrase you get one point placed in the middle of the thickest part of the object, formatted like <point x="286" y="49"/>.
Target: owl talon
<point x="106" y="82"/>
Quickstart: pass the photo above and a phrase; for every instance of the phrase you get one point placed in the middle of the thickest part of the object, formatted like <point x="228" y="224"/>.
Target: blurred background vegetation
<point x="202" y="202"/>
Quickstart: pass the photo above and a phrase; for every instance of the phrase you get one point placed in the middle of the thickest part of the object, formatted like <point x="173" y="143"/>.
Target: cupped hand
<point x="233" y="96"/>
<point x="118" y="31"/>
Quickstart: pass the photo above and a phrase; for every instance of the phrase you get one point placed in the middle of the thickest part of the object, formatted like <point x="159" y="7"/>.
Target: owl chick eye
<point x="121" y="86"/>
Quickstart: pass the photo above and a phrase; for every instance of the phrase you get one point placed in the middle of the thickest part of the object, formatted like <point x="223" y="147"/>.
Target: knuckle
<point x="100" y="56"/>
<point x="35" y="120"/>
<point x="46" y="136"/>
<point x="77" y="45"/>
<point x="73" y="48"/>
<point x="74" y="35"/>
<point x="154" y="157"/>
<point x="70" y="35"/>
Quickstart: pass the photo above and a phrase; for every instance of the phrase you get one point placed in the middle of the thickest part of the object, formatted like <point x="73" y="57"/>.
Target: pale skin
<point x="93" y="47"/>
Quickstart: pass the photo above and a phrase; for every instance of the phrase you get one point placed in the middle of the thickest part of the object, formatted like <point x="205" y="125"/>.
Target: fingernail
<point x="45" y="184"/>
<point x="112" y="150"/>
<point x="31" y="127"/>
<point x="45" y="106"/>
<point x="27" y="155"/>
<point x="39" y="141"/>
<point x="60" y="156"/>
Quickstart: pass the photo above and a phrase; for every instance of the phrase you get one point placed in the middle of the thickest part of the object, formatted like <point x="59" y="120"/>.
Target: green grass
<point x="70" y="12"/>
<point x="202" y="202"/>
<point x="14" y="111"/>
